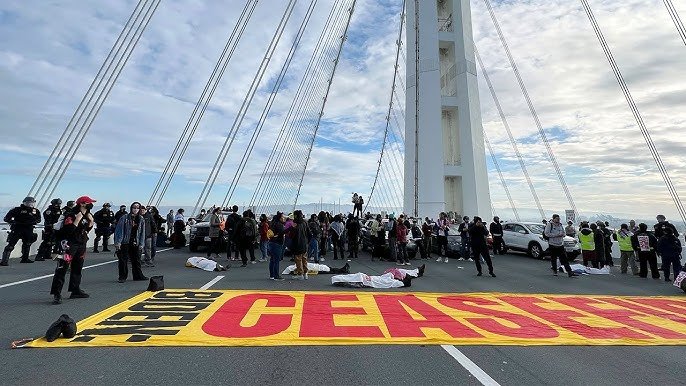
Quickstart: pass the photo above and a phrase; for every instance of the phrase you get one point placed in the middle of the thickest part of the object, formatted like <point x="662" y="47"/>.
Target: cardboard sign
<point x="266" y="318"/>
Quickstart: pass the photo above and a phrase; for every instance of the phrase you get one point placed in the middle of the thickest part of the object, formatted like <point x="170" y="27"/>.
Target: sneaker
<point x="322" y="259"/>
<point x="445" y="260"/>
<point x="439" y="259"/>
<point x="408" y="263"/>
<point x="470" y="259"/>
<point x="311" y="258"/>
<point x="279" y="278"/>
<point x="479" y="274"/>
<point x="271" y="278"/>
<point x="305" y="276"/>
<point x="399" y="263"/>
<point x="298" y="277"/>
<point x="253" y="262"/>
<point x="554" y="271"/>
<point x="57" y="299"/>
<point x="492" y="274"/>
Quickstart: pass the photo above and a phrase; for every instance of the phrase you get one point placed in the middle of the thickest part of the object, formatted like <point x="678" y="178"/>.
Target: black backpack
<point x="249" y="230"/>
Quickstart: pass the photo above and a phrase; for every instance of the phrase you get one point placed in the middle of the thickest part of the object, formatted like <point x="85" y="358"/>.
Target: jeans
<point x="628" y="258"/>
<point x="464" y="241"/>
<point x="674" y="262"/>
<point x="392" y="247"/>
<point x="148" y="250"/>
<point x="264" y="245"/>
<point x="313" y="250"/>
<point x="275" y="255"/>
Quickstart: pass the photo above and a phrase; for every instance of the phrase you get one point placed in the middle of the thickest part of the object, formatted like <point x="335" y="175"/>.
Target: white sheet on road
<point x="311" y="267"/>
<point x="384" y="281"/>
<point x="202" y="263"/>
<point x="580" y="268"/>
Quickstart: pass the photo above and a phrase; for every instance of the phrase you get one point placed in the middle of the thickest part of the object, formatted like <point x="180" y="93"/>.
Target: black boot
<point x="95" y="246"/>
<point x="5" y="259"/>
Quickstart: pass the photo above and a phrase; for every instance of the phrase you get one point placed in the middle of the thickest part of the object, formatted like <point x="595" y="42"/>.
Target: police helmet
<point x="71" y="203"/>
<point x="56" y="201"/>
<point x="29" y="200"/>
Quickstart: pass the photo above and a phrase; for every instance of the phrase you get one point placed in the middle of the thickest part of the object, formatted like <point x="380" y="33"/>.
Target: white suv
<point x="528" y="237"/>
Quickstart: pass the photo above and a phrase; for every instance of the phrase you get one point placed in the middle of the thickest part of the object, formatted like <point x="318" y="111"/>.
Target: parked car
<point x="200" y="234"/>
<point x="528" y="237"/>
<point x="366" y="242"/>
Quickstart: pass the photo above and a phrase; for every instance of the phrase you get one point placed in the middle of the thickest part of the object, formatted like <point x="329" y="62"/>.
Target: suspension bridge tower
<point x="445" y="162"/>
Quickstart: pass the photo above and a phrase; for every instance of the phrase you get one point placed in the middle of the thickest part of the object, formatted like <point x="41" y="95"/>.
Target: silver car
<point x="528" y="237"/>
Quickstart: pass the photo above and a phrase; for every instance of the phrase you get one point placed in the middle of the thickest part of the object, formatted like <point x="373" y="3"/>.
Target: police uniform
<point x="50" y="217"/>
<point x="104" y="219"/>
<point x="22" y="220"/>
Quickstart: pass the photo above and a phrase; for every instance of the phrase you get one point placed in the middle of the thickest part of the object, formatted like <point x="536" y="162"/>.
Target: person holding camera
<point x="72" y="237"/>
<point x="129" y="240"/>
<point x="22" y="220"/>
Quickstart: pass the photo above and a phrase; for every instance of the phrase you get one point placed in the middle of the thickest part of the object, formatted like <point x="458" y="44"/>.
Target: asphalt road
<point x="27" y="312"/>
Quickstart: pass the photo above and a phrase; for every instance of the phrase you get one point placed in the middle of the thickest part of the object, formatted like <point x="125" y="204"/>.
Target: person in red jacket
<point x="401" y="234"/>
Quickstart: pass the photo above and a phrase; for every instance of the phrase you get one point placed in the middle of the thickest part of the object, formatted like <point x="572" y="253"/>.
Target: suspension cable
<point x="297" y="101"/>
<point x="676" y="19"/>
<point x="247" y="101"/>
<point x="100" y="100"/>
<point x="268" y="106"/>
<point x="506" y="124"/>
<point x="390" y="103"/>
<point x="634" y="109"/>
<point x="64" y="137"/>
<point x="541" y="132"/>
<point x="502" y="178"/>
<point x="202" y="103"/>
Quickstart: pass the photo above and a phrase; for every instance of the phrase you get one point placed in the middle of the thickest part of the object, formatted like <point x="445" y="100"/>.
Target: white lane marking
<point x="212" y="282"/>
<point x="470" y="366"/>
<point x="52" y="274"/>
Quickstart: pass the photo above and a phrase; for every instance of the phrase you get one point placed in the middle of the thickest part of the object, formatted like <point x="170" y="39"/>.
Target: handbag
<point x="156" y="283"/>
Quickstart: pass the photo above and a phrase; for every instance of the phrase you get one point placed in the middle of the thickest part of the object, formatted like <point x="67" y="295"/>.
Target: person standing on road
<point x="244" y="236"/>
<point x="323" y="235"/>
<point x="178" y="239"/>
<point x="587" y="242"/>
<point x="214" y="234"/>
<point x="129" y="239"/>
<point x="22" y="220"/>
<point x="232" y="221"/>
<point x="313" y="243"/>
<point x="555" y="233"/>
<point x="669" y="248"/>
<point x="662" y="225"/>
<point x="150" y="231"/>
<point x="464" y="239"/>
<point x="416" y="233"/>
<point x="477" y="237"/>
<point x="353" y="232"/>
<point x="337" y="229"/>
<point x="644" y="244"/>
<point x="599" y="241"/>
<point x="104" y="218"/>
<point x="120" y="213"/>
<point x="442" y="237"/>
<point x="626" y="250"/>
<point x="373" y="234"/>
<point x="570" y="230"/>
<point x="50" y="216"/>
<point x="632" y="226"/>
<point x="264" y="238"/>
<point x="275" y="234"/>
<point x="170" y="222"/>
<point x="496" y="229"/>
<point x="607" y="243"/>
<point x="392" y="230"/>
<point x="72" y="238"/>
<point x="299" y="235"/>
<point x="426" y="234"/>
<point x="401" y="236"/>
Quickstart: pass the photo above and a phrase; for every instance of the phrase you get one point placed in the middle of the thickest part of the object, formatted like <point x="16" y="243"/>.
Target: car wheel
<point x="193" y="247"/>
<point x="535" y="251"/>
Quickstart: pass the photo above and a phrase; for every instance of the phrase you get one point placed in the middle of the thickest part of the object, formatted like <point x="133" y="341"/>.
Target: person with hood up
<point x="626" y="250"/>
<point x="644" y="244"/>
<point x="300" y="234"/>
<point x="669" y="248"/>
<point x="587" y="241"/>
<point x="337" y="229"/>
<point x="129" y="240"/>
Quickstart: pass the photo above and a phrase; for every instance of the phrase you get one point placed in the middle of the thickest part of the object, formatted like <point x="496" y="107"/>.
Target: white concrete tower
<point x="451" y="162"/>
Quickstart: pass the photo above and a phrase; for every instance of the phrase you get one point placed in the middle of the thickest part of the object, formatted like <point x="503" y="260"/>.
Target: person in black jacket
<point x="599" y="240"/>
<point x="22" y="220"/>
<point x="662" y="225"/>
<point x="352" y="230"/>
<point x="232" y="221"/>
<point x="299" y="234"/>
<point x="644" y="244"/>
<point x="477" y="239"/>
<point x="72" y="238"/>
<point x="50" y="217"/>
<point x="121" y="212"/>
<point x="669" y="249"/>
<point x="104" y="220"/>
<point x="496" y="229"/>
<point x="607" y="243"/>
<point x="276" y="245"/>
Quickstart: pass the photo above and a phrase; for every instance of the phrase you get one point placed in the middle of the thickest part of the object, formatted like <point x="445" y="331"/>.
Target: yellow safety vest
<point x="587" y="242"/>
<point x="624" y="243"/>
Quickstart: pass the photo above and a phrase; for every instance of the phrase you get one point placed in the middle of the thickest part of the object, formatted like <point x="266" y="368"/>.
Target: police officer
<point x="121" y="212"/>
<point x="22" y="220"/>
<point x="104" y="219"/>
<point x="50" y="217"/>
<point x="69" y="208"/>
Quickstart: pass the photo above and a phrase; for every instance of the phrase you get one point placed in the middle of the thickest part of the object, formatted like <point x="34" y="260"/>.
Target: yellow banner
<point x="273" y="318"/>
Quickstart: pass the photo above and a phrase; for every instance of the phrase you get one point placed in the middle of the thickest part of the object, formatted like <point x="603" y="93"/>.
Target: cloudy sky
<point x="50" y="51"/>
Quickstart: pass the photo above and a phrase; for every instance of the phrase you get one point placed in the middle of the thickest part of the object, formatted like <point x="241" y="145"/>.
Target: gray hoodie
<point x="555" y="233"/>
